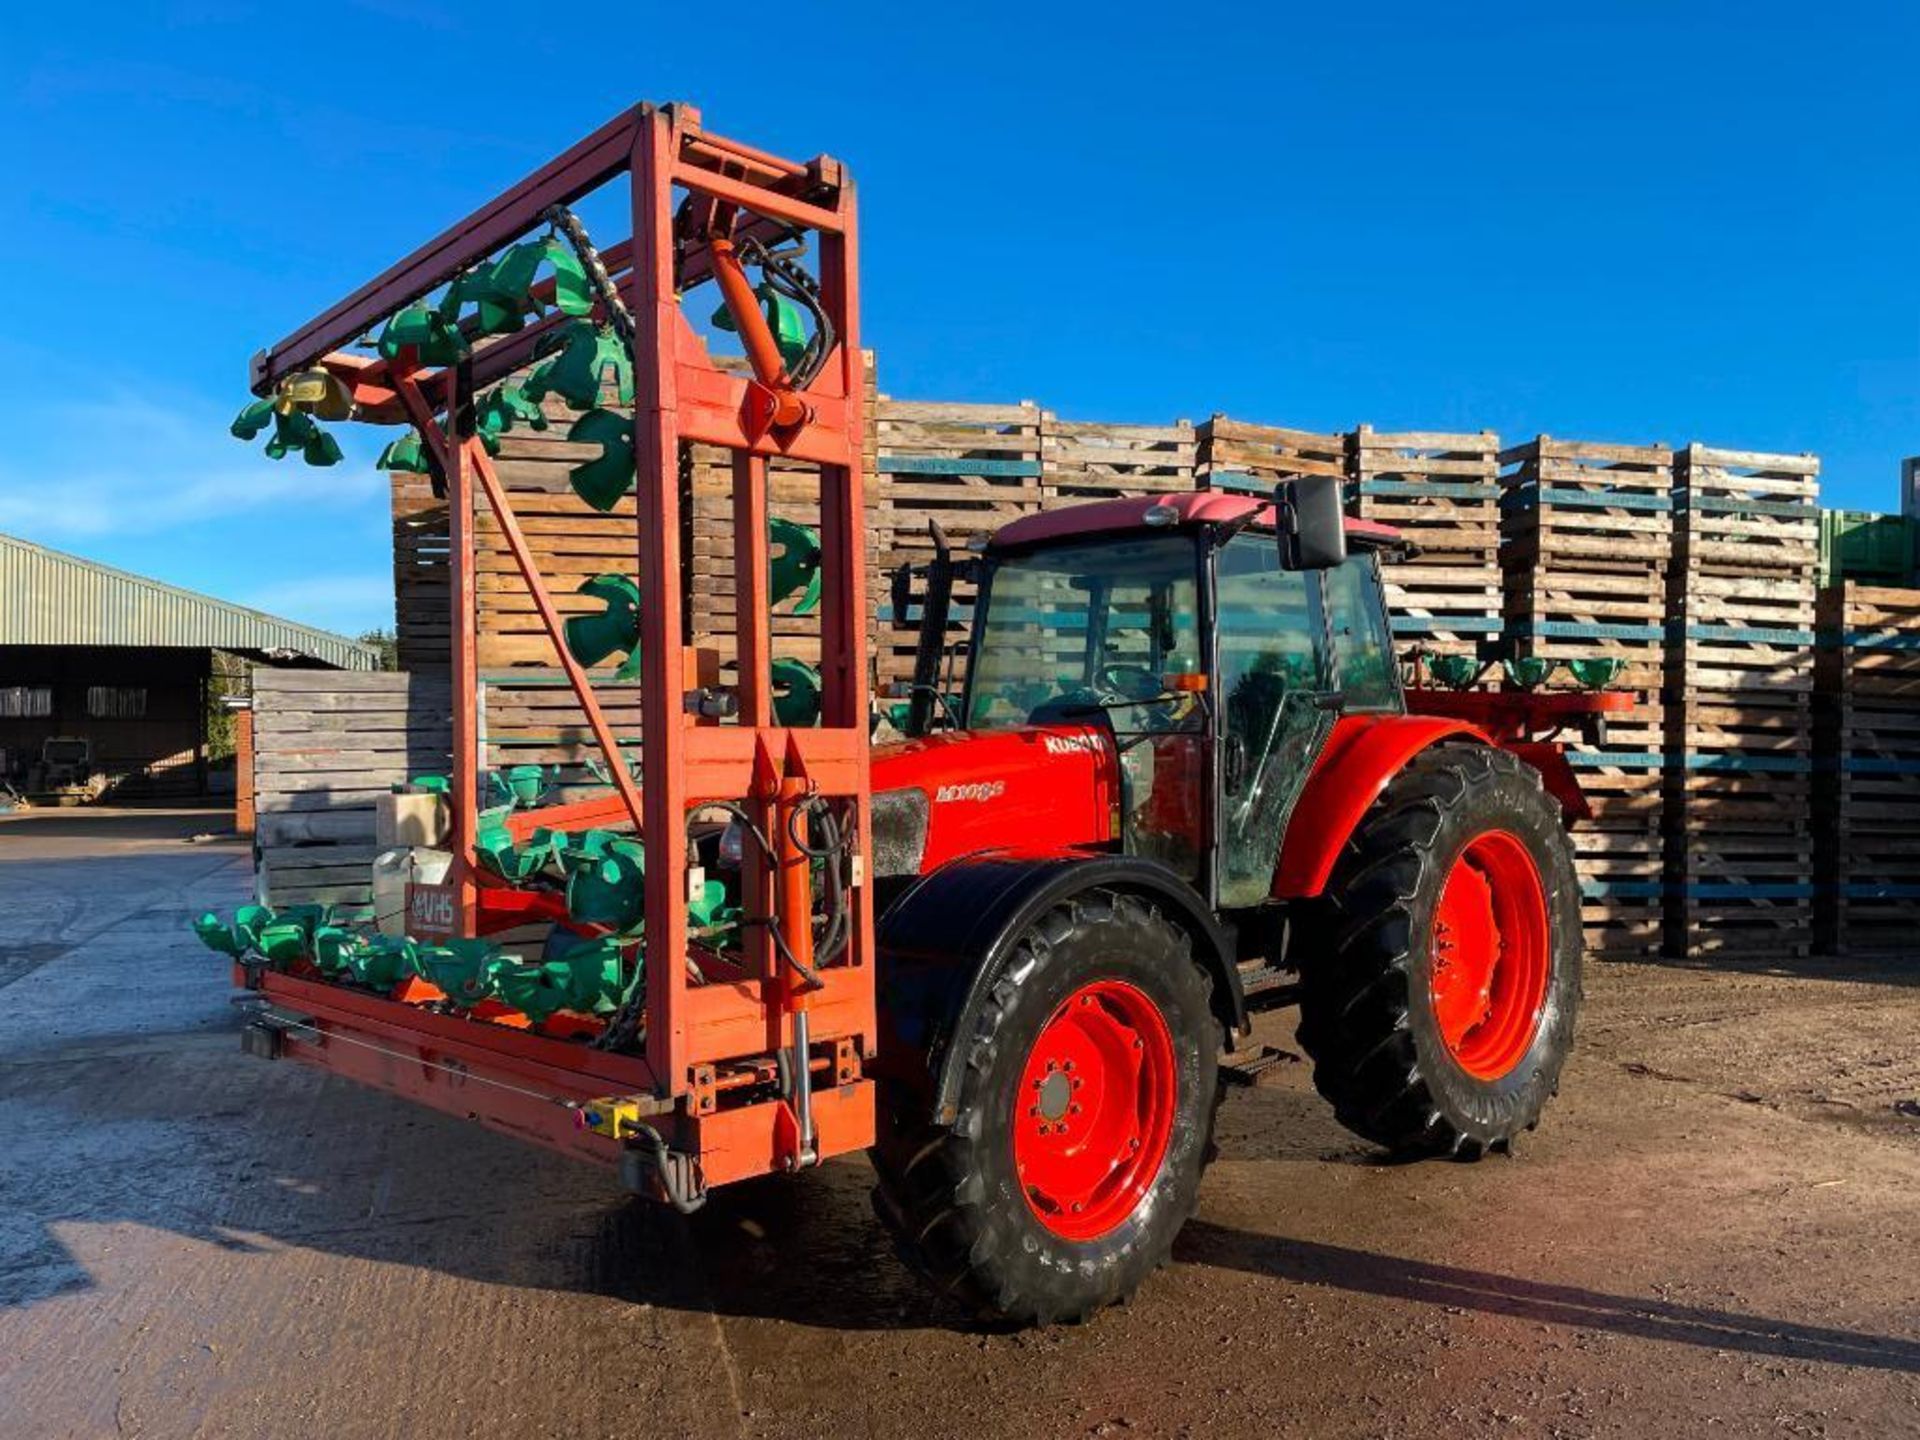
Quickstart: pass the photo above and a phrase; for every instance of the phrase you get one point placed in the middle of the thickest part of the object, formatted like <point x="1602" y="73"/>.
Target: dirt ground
<point x="1715" y="1231"/>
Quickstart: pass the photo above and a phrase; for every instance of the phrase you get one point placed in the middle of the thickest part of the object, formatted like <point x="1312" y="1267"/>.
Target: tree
<point x="384" y="643"/>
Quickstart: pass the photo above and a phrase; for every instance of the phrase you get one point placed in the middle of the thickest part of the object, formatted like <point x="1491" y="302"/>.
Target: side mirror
<point x="1313" y="530"/>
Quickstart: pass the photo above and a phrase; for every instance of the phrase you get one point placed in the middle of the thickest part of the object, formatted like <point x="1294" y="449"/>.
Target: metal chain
<point x="618" y="316"/>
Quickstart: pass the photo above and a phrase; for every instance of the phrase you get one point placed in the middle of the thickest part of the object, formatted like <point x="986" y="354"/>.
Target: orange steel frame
<point x="703" y="1041"/>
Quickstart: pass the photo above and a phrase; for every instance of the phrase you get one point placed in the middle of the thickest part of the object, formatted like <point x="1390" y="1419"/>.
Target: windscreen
<point x="1096" y="621"/>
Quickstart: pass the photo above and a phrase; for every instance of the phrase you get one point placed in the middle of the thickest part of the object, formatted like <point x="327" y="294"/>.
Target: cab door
<point x="1271" y="712"/>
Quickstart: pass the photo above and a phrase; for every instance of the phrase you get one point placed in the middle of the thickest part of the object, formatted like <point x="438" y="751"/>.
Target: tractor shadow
<point x="806" y="1251"/>
<point x="1891" y="968"/>
<point x="773" y="1250"/>
<point x="1362" y="1272"/>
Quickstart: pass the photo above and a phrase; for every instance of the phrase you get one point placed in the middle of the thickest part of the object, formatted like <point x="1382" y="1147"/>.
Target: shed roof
<point x="51" y="598"/>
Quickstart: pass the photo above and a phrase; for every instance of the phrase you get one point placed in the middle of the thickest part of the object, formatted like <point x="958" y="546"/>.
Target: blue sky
<point x="1629" y="221"/>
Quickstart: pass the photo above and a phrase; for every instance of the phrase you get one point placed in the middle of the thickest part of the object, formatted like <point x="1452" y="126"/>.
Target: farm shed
<point x="114" y="668"/>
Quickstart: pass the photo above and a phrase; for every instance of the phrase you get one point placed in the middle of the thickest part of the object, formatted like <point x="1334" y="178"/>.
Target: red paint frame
<point x="681" y="396"/>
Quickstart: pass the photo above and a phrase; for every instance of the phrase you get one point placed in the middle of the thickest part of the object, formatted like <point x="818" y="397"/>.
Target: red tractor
<point x="1004" y="956"/>
<point x="1183" y="780"/>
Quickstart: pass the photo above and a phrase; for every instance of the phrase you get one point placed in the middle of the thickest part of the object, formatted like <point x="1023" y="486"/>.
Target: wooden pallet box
<point x="1741" y="633"/>
<point x="1747" y="513"/>
<point x="1741" y="587"/>
<point x="1587" y="538"/>
<point x="422" y="608"/>
<point x="1739" y="810"/>
<point x="1740" y="675"/>
<point x="1732" y="917"/>
<point x="1619" y="852"/>
<point x="972" y="469"/>
<point x="1441" y="491"/>
<point x="1083" y="460"/>
<point x="1868" y="787"/>
<point x="1235" y="455"/>
<point x="326" y="745"/>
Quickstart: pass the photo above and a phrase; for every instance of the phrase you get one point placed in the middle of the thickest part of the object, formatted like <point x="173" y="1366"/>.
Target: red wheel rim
<point x="1094" y="1110"/>
<point x="1489" y="956"/>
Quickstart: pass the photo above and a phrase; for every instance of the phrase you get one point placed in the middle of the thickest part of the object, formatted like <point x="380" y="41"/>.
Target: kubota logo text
<point x="1073" y="745"/>
<point x="978" y="790"/>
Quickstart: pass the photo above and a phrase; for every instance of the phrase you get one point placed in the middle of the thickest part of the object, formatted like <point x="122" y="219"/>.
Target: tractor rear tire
<point x="1085" y="1118"/>
<point x="1439" y="993"/>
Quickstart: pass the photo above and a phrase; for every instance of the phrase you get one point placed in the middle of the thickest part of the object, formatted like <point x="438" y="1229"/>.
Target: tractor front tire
<point x="1084" y="1120"/>
<point x="1439" y="990"/>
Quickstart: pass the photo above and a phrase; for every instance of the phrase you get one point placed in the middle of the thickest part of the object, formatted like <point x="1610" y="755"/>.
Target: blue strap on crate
<point x="1241" y="482"/>
<point x="1756" y="635"/>
<point x="941" y="465"/>
<point x="1880" y="639"/>
<point x="1700" y="890"/>
<point x="1439" y="625"/>
<point x="1623" y="760"/>
<point x="1623" y="889"/>
<point x="1427" y="489"/>
<point x="1726" y="505"/>
<point x="1528" y="497"/>
<point x="1574" y="630"/>
<point x="1777" y="764"/>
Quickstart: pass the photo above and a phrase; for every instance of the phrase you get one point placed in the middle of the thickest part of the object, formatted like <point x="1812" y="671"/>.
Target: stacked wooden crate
<point x="326" y="745"/>
<point x="422" y="612"/>
<point x="1740" y="680"/>
<point x="1868" y="728"/>
<point x="1442" y="492"/>
<point x="1588" y="538"/>
<point x="1234" y="455"/>
<point x="528" y="715"/>
<point x="793" y="493"/>
<point x="1083" y="461"/>
<point x="972" y="468"/>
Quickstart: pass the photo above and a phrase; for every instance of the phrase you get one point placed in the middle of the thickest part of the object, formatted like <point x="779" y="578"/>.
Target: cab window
<point x="1271" y="725"/>
<point x="1364" y="669"/>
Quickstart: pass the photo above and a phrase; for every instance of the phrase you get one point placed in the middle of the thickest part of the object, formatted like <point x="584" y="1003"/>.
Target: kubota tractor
<point x="1183" y="780"/>
<point x="1003" y="956"/>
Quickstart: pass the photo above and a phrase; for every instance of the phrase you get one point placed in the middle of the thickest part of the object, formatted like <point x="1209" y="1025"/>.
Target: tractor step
<point x="1267" y="987"/>
<point x="1254" y="1065"/>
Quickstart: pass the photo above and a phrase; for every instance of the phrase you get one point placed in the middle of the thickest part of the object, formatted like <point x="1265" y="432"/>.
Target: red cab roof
<point x="1191" y="507"/>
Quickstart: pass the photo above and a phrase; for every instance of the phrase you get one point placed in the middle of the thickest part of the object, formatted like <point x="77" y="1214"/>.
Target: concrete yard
<point x="1715" y="1231"/>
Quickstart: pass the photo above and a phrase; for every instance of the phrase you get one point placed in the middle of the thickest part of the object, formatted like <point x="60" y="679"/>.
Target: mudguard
<point x="943" y="944"/>
<point x="1361" y="756"/>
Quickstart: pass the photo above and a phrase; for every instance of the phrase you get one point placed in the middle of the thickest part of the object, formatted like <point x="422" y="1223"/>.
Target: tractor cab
<point x="1212" y="650"/>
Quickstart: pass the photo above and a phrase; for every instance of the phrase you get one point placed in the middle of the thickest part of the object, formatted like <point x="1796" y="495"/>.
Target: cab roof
<point x="1191" y="507"/>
